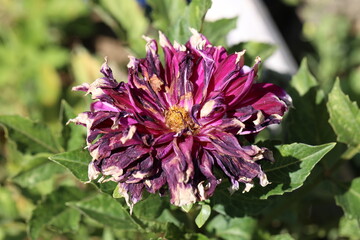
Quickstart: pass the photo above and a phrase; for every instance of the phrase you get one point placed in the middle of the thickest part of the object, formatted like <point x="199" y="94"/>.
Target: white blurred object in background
<point x="254" y="24"/>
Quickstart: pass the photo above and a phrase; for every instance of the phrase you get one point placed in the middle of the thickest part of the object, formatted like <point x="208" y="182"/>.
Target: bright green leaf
<point x="344" y="117"/>
<point x="293" y="164"/>
<point x="203" y="215"/>
<point x="76" y="161"/>
<point x="196" y="13"/>
<point x="217" y="31"/>
<point x="349" y="228"/>
<point x="348" y="198"/>
<point x="106" y="210"/>
<point x="37" y="137"/>
<point x="50" y="208"/>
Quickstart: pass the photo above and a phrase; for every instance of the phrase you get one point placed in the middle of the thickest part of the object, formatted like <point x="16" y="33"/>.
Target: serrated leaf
<point x="217" y="31"/>
<point x="303" y="81"/>
<point x="76" y="161"/>
<point x="348" y="198"/>
<point x="66" y="221"/>
<point x="105" y="210"/>
<point x="232" y="228"/>
<point x="197" y="11"/>
<point x="35" y="136"/>
<point x="52" y="206"/>
<point x="40" y="172"/>
<point x="203" y="215"/>
<point x="344" y="117"/>
<point x="72" y="134"/>
<point x="293" y="164"/>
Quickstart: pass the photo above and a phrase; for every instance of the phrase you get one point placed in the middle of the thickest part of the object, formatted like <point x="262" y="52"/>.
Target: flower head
<point x="170" y="126"/>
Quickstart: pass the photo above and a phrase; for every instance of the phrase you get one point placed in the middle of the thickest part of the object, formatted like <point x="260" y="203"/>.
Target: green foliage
<point x="344" y="118"/>
<point x="35" y="135"/>
<point x="348" y="197"/>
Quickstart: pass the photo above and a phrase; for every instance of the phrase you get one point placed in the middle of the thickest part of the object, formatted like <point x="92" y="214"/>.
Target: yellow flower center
<point x="178" y="119"/>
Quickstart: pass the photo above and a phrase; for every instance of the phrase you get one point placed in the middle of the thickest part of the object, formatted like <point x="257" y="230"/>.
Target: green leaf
<point x="76" y="161"/>
<point x="131" y="18"/>
<point x="349" y="228"/>
<point x="303" y="81"/>
<point x="233" y="228"/>
<point x="254" y="49"/>
<point x="308" y="120"/>
<point x="72" y="134"/>
<point x="42" y="171"/>
<point x="166" y="13"/>
<point x="50" y="208"/>
<point x="149" y="207"/>
<point x="217" y="31"/>
<point x="348" y="198"/>
<point x="196" y="13"/>
<point x="344" y="117"/>
<point x="203" y="215"/>
<point x="174" y="17"/>
<point x="37" y="137"/>
<point x="284" y="236"/>
<point x="105" y="210"/>
<point x="66" y="221"/>
<point x="293" y="164"/>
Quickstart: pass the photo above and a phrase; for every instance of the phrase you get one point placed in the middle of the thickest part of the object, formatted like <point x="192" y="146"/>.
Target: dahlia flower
<point x="170" y="126"/>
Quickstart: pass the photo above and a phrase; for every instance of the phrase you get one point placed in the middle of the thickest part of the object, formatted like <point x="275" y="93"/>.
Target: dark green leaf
<point x="344" y="117"/>
<point x="203" y="215"/>
<point x="348" y="198"/>
<point x="76" y="161"/>
<point x="150" y="207"/>
<point x="66" y="221"/>
<point x="308" y="120"/>
<point x="217" y="31"/>
<point x="106" y="210"/>
<point x="50" y="208"/>
<point x="73" y="135"/>
<point x="35" y="136"/>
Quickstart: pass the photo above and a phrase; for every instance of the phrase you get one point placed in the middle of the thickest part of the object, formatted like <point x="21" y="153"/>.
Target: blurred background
<point x="48" y="46"/>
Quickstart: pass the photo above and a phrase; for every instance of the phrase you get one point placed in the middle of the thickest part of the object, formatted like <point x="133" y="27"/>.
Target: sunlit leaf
<point x="303" y="81"/>
<point x="344" y="117"/>
<point x="349" y="228"/>
<point x="217" y="31"/>
<point x="203" y="215"/>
